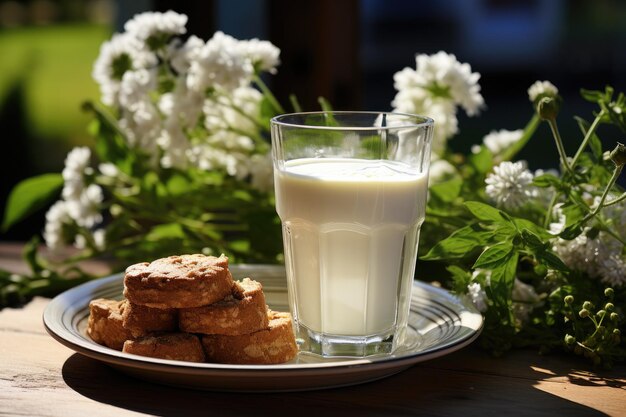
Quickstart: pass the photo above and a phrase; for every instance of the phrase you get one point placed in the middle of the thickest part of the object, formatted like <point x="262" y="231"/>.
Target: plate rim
<point x="93" y="350"/>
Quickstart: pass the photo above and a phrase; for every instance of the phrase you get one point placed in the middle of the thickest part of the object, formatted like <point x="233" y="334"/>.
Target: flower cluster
<point x="164" y="89"/>
<point x="191" y="111"/>
<point x="438" y="85"/>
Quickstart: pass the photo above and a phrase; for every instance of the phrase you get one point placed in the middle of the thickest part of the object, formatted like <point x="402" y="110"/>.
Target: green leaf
<point x="30" y="195"/>
<point x="547" y="180"/>
<point x="531" y="240"/>
<point x="485" y="212"/>
<point x="591" y="95"/>
<point x="552" y="261"/>
<point x="459" y="244"/>
<point x="447" y="191"/>
<point x="165" y="231"/>
<point x="482" y="161"/>
<point x="494" y="256"/>
<point x="503" y="276"/>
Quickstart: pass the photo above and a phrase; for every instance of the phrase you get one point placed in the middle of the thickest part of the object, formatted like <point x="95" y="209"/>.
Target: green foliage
<point x="30" y="195"/>
<point x="506" y="251"/>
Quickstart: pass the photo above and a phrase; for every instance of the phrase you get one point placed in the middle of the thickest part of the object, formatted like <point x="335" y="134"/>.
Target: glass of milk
<point x="351" y="192"/>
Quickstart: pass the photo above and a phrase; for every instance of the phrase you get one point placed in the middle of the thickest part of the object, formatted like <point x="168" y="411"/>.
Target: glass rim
<point x="426" y="121"/>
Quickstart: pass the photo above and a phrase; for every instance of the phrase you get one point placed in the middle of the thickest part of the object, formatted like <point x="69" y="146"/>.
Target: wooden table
<point x="40" y="377"/>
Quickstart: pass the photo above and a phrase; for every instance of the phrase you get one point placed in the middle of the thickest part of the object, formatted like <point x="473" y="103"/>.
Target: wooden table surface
<point x="40" y="377"/>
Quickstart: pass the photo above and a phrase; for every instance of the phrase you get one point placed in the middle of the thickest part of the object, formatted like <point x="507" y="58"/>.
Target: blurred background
<point x="346" y="51"/>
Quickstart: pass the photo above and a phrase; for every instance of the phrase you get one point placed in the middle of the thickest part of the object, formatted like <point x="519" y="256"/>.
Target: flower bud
<point x="601" y="313"/>
<point x="608" y="292"/>
<point x="617" y="332"/>
<point x="569" y="299"/>
<point x="569" y="339"/>
<point x="618" y="155"/>
<point x="548" y="108"/>
<point x="587" y="305"/>
<point x="583" y="313"/>
<point x="609" y="307"/>
<point x="614" y="317"/>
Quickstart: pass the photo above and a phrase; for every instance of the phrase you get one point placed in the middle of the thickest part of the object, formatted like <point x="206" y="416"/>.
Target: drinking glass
<point x="351" y="191"/>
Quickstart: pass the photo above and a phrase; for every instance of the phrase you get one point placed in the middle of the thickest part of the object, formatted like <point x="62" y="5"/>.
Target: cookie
<point x="180" y="281"/>
<point x="105" y="324"/>
<point x="276" y="344"/>
<point x="242" y="312"/>
<point x="173" y="346"/>
<point x="141" y="320"/>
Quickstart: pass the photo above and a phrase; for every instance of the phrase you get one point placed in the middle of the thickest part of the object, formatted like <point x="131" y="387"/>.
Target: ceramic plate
<point x="440" y="323"/>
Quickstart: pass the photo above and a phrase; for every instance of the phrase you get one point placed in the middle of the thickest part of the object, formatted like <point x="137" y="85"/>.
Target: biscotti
<point x="273" y="345"/>
<point x="189" y="308"/>
<point x="243" y="312"/>
<point x="141" y="320"/>
<point x="105" y="324"/>
<point x="173" y="346"/>
<point x="181" y="281"/>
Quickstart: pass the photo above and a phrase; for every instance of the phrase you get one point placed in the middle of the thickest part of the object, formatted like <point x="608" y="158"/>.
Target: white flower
<point x="221" y="114"/>
<point x="261" y="170"/>
<point x="182" y="56"/>
<point x="98" y="236"/>
<point x="439" y="84"/>
<point x="108" y="169"/>
<point x="175" y="145"/>
<point x="601" y="257"/>
<point x="440" y="169"/>
<point x="220" y="63"/>
<point x="85" y="211"/>
<point x="56" y="217"/>
<point x="478" y="296"/>
<point x="118" y="55"/>
<point x="153" y="24"/>
<point x="76" y="163"/>
<point x="136" y="87"/>
<point x="510" y="185"/>
<point x="499" y="141"/>
<point x="263" y="54"/>
<point x="542" y="88"/>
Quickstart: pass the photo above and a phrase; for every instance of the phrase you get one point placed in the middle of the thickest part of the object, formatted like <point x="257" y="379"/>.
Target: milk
<point x="350" y="229"/>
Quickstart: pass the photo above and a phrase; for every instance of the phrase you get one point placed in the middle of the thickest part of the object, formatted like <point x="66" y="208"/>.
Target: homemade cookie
<point x="174" y="346"/>
<point x="276" y="344"/>
<point x="141" y="320"/>
<point x="105" y="324"/>
<point x="180" y="281"/>
<point x="242" y="312"/>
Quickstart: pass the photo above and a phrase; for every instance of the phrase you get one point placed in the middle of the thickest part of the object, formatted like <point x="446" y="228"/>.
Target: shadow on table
<point x="422" y="390"/>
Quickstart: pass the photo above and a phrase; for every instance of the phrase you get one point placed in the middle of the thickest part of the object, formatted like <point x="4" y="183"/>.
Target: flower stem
<point x="559" y="145"/>
<point x="616" y="173"/>
<point x="546" y="220"/>
<point x="588" y="136"/>
<point x="615" y="200"/>
<point x="270" y="96"/>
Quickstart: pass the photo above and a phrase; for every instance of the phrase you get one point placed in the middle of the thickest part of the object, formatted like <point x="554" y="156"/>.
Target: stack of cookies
<point x="189" y="308"/>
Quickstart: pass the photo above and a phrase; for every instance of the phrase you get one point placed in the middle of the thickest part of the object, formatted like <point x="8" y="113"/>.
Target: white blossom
<point x="263" y="54"/>
<point x="136" y="87"/>
<point x="108" y="169"/>
<point x="146" y="25"/>
<point x="440" y="169"/>
<point x="85" y="210"/>
<point x="478" y="296"/>
<point x="182" y="56"/>
<point x="76" y="163"/>
<point x="542" y="88"/>
<point x="118" y="55"/>
<point x="510" y="184"/>
<point x="498" y="141"/>
<point x="262" y="172"/>
<point x="220" y="63"/>
<point x="435" y="88"/>
<point x="56" y="217"/>
<point x="601" y="257"/>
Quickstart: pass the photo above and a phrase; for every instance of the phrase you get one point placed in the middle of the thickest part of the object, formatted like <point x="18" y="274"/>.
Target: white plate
<point x="440" y="323"/>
